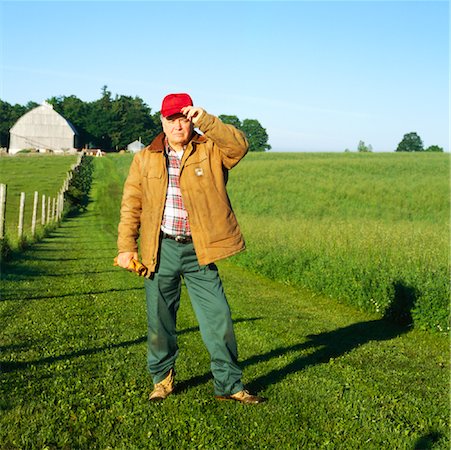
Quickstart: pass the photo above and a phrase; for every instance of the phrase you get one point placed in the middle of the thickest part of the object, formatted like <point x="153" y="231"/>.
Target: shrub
<point x="5" y="249"/>
<point x="77" y="195"/>
<point x="434" y="148"/>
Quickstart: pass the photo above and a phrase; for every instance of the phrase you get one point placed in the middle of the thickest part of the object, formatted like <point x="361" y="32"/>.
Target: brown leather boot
<point x="242" y="397"/>
<point x="162" y="389"/>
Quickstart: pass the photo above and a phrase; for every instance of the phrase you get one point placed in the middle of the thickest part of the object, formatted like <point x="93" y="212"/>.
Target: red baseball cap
<point x="173" y="104"/>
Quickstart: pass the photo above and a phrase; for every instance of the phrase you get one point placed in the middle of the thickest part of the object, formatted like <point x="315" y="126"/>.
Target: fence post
<point x="61" y="204"/>
<point x="43" y="210"/>
<point x="35" y="213"/>
<point x="48" y="210"/>
<point x="53" y="209"/>
<point x="2" y="209"/>
<point x="21" y="214"/>
<point x="57" y="213"/>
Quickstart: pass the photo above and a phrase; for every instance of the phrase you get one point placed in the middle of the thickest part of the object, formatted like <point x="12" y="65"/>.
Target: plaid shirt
<point x="175" y="218"/>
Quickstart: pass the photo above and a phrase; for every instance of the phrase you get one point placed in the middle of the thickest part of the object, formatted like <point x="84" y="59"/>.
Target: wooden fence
<point x="46" y="209"/>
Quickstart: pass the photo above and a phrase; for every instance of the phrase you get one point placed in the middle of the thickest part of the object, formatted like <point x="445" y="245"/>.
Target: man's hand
<point x="192" y="113"/>
<point x="123" y="259"/>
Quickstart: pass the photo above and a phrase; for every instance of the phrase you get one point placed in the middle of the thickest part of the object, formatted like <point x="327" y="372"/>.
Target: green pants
<point x="210" y="306"/>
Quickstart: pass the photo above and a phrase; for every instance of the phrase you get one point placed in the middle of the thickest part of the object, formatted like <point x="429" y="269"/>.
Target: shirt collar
<point x="170" y="151"/>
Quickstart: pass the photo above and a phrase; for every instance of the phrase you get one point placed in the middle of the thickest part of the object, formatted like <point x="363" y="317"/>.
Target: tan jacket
<point x="203" y="177"/>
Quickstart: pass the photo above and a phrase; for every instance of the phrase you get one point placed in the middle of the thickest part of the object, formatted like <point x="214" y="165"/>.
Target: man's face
<point x="177" y="128"/>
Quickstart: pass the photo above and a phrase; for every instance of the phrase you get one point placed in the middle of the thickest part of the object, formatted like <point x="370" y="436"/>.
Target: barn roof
<point x="44" y="129"/>
<point x="43" y="112"/>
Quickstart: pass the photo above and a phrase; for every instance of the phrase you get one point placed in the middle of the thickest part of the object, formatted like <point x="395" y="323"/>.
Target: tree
<point x="30" y="105"/>
<point x="434" y="148"/>
<point x="131" y="119"/>
<point x="9" y="115"/>
<point x="107" y="122"/>
<point x="231" y="120"/>
<point x="156" y="117"/>
<point x="76" y="112"/>
<point x="256" y="135"/>
<point x="5" y="122"/>
<point x="100" y="117"/>
<point x="411" y="142"/>
<point x="112" y="123"/>
<point x="362" y="148"/>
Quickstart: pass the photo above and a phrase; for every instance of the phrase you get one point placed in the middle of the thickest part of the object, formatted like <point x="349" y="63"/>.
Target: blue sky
<point x="319" y="76"/>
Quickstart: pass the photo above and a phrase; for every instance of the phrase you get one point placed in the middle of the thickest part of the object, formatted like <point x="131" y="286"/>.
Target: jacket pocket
<point x="153" y="172"/>
<point x="198" y="157"/>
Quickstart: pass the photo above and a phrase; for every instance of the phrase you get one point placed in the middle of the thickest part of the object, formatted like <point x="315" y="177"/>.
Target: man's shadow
<point x="11" y="366"/>
<point x="396" y="321"/>
<point x="328" y="345"/>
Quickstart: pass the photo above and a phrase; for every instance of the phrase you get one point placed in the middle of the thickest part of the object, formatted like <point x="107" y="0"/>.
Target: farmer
<point x="175" y="199"/>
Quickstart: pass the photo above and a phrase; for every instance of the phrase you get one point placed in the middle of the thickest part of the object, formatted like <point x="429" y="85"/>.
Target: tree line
<point x="111" y="123"/>
<point x="411" y="142"/>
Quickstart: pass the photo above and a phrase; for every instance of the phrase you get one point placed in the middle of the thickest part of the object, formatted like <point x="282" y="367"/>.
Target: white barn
<point x="135" y="146"/>
<point x="42" y="129"/>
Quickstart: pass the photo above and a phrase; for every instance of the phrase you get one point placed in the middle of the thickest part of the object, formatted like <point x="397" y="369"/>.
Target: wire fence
<point x="46" y="209"/>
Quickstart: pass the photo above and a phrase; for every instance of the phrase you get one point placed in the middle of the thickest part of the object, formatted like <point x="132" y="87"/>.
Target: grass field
<point x="369" y="229"/>
<point x="73" y="350"/>
<point x="28" y="174"/>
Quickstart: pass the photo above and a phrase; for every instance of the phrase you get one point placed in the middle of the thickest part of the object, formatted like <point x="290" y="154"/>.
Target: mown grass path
<point x="73" y="350"/>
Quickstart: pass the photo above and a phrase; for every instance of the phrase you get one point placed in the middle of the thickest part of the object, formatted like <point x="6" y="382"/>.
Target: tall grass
<point x="369" y="229"/>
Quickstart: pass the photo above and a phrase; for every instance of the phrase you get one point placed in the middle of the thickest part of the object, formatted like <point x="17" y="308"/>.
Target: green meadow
<point x="371" y="230"/>
<point x="28" y="174"/>
<point x="336" y="373"/>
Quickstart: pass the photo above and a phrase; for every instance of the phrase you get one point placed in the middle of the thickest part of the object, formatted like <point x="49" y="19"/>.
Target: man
<point x="175" y="200"/>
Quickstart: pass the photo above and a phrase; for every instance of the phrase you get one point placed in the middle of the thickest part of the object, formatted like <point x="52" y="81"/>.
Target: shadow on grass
<point x="397" y="320"/>
<point x="26" y="273"/>
<point x="78" y="258"/>
<point x="16" y="277"/>
<point x="427" y="442"/>
<point x="204" y="378"/>
<point x="17" y="268"/>
<point x="331" y="344"/>
<point x="400" y="309"/>
<point x="16" y="295"/>
<point x="11" y="366"/>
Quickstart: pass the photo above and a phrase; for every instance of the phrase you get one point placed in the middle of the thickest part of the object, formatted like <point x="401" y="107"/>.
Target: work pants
<point x="210" y="305"/>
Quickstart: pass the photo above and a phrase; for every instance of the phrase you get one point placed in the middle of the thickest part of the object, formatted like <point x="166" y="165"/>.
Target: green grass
<point x="388" y="187"/>
<point x="28" y="174"/>
<point x="73" y="351"/>
<point x="368" y="229"/>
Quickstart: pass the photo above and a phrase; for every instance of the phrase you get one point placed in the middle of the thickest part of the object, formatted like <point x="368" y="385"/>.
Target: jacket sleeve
<point x="128" y="229"/>
<point x="231" y="142"/>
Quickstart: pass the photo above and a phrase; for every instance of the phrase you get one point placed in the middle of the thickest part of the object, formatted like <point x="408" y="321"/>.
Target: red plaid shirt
<point x="175" y="218"/>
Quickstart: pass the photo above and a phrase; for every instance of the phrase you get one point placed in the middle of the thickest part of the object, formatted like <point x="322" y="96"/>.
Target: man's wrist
<point x="203" y="121"/>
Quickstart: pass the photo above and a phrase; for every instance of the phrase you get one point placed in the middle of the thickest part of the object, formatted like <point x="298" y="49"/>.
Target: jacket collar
<point x="157" y="145"/>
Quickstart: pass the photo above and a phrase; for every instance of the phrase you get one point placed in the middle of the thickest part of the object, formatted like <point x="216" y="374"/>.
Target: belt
<point x="179" y="238"/>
